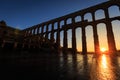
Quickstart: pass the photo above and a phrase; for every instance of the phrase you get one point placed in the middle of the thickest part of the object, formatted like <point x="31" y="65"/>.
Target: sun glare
<point x="103" y="49"/>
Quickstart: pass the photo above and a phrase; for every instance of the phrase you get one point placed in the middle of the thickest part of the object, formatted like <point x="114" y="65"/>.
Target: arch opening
<point x="116" y="31"/>
<point x="49" y="27"/>
<point x="69" y="38"/>
<point x="77" y="19"/>
<point x="61" y="38"/>
<point x="88" y="16"/>
<point x="56" y="25"/>
<point x="61" y="23"/>
<point x="102" y="36"/>
<point x="55" y="35"/>
<point x="69" y="21"/>
<point x="99" y="14"/>
<point x="78" y="39"/>
<point x="89" y="38"/>
<point x="114" y="11"/>
<point x="44" y="30"/>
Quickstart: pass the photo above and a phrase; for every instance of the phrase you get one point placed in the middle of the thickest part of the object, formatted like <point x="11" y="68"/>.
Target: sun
<point x="103" y="49"/>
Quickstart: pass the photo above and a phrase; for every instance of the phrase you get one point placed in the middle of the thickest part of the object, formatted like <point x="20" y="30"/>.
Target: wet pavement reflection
<point x="60" y="67"/>
<point x="105" y="68"/>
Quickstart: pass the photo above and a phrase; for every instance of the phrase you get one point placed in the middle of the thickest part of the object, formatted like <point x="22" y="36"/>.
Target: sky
<point x="26" y="13"/>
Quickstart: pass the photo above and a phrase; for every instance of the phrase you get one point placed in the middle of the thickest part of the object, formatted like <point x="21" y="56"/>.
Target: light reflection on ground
<point x="105" y="69"/>
<point x="61" y="66"/>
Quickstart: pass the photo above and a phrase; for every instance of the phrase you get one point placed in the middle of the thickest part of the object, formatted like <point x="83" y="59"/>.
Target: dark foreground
<point x="53" y="66"/>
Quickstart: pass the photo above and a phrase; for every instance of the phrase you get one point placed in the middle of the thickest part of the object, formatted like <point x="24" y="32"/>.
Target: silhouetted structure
<point x="36" y="35"/>
<point x="9" y="36"/>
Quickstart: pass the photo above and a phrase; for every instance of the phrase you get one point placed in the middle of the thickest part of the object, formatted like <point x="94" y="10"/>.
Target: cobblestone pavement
<point x="54" y="66"/>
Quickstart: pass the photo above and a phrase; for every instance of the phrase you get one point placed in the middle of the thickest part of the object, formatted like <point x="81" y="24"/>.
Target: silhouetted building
<point x="8" y="34"/>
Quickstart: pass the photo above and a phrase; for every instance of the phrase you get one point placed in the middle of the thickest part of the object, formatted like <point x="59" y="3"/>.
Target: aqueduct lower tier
<point x="73" y="21"/>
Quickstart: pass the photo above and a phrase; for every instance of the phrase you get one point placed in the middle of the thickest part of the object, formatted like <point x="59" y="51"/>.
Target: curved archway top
<point x="87" y="14"/>
<point x="77" y="16"/>
<point x="101" y="23"/>
<point x="62" y="30"/>
<point x="113" y="5"/>
<point x="101" y="9"/>
<point x="89" y="25"/>
<point x="68" y="29"/>
<point x="115" y="20"/>
<point x="69" y="19"/>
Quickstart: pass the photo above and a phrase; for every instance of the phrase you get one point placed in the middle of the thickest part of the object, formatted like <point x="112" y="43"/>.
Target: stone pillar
<point x="58" y="35"/>
<point x="84" y="46"/>
<point x="95" y="35"/>
<point x="73" y="36"/>
<point x="65" y="45"/>
<point x="110" y="35"/>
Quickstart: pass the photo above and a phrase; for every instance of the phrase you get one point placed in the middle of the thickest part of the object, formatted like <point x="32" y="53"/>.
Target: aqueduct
<point x="45" y="31"/>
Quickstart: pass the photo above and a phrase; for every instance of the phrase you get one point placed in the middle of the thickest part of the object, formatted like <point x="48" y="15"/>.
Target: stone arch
<point x="114" y="11"/>
<point x="89" y="38"/>
<point x="102" y="35"/>
<point x="78" y="39"/>
<point x="116" y="30"/>
<point x="88" y="16"/>
<point x="69" y="20"/>
<point x="77" y="18"/>
<point x="99" y="14"/>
